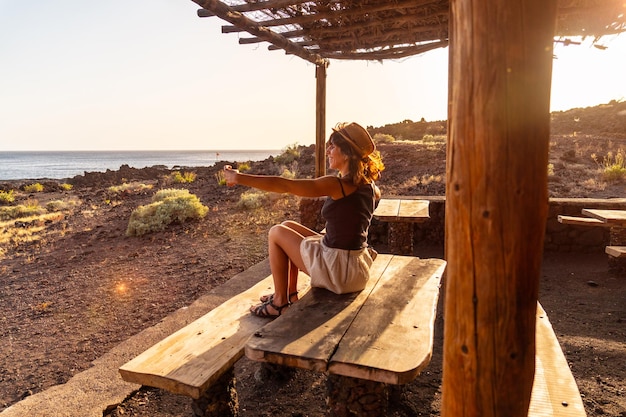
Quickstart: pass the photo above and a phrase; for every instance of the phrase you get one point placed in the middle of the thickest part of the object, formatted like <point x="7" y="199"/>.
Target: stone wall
<point x="559" y="237"/>
<point x="573" y="238"/>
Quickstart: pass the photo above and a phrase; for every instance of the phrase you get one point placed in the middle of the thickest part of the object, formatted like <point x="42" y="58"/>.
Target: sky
<point x="151" y="75"/>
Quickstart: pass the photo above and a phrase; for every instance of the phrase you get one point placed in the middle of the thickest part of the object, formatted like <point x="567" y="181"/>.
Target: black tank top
<point x="348" y="218"/>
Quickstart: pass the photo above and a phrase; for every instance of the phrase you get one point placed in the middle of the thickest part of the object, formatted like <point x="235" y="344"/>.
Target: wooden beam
<point x="205" y="13"/>
<point x="283" y="4"/>
<point x="226" y="13"/>
<point x="345" y="15"/>
<point x="320" y="120"/>
<point x="333" y="41"/>
<point x="404" y="26"/>
<point x="496" y="202"/>
<point x="394" y="53"/>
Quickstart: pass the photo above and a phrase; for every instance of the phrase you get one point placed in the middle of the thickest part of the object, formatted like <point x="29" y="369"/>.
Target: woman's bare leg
<point x="292" y="282"/>
<point x="292" y="289"/>
<point x="293" y="269"/>
<point x="284" y="251"/>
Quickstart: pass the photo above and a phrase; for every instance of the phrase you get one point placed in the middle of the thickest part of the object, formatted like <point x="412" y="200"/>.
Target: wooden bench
<point x="616" y="251"/>
<point x="363" y="341"/>
<point x="366" y="342"/>
<point x="197" y="361"/>
<point x="555" y="392"/>
<point x="615" y="220"/>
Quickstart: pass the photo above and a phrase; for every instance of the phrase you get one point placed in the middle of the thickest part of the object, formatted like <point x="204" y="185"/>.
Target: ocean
<point x="18" y="165"/>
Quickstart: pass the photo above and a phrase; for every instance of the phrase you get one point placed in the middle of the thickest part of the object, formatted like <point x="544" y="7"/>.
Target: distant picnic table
<point x="401" y="214"/>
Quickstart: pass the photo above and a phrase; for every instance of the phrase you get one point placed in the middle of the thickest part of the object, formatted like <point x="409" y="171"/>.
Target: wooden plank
<point x="387" y="209"/>
<point x="391" y="339"/>
<point x="611" y="217"/>
<point x="554" y="392"/>
<point x="414" y="210"/>
<point x="307" y="334"/>
<point x="191" y="359"/>
<point x="616" y="251"/>
<point x="581" y="221"/>
<point x="397" y="210"/>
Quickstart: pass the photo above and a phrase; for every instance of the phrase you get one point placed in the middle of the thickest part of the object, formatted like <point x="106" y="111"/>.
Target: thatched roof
<point x="380" y="29"/>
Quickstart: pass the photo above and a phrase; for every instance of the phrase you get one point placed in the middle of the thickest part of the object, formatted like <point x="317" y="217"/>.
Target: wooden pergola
<point x="500" y="69"/>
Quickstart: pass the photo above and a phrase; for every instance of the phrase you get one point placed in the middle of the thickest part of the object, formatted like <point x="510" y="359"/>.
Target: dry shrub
<point x="31" y="208"/>
<point x="33" y="188"/>
<point x="7" y="197"/>
<point x="251" y="200"/>
<point x="62" y="205"/>
<point x="168" y="206"/>
<point x="183" y="177"/>
<point x="129" y="188"/>
<point x="612" y="166"/>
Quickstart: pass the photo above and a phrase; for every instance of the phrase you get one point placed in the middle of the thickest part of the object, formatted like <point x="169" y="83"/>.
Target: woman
<point x="339" y="260"/>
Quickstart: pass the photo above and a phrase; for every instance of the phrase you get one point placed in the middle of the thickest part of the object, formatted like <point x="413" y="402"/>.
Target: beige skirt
<point x="338" y="270"/>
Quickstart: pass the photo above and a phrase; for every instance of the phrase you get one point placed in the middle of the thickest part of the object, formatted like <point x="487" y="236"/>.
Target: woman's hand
<point x="230" y="175"/>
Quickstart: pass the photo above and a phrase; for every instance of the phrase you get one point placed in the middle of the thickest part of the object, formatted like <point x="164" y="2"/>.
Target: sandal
<point x="270" y="297"/>
<point x="262" y="311"/>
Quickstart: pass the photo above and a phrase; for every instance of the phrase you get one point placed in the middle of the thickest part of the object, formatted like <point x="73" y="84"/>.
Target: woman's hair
<point x="362" y="170"/>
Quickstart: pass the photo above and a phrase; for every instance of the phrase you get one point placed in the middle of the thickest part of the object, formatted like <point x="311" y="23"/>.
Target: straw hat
<point x="357" y="137"/>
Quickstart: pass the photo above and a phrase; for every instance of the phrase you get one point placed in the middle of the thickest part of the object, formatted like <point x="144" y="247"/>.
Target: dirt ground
<point x="79" y="286"/>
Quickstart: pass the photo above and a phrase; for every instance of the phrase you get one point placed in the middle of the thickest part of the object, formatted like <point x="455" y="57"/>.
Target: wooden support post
<point x="496" y="201"/>
<point x="320" y="120"/>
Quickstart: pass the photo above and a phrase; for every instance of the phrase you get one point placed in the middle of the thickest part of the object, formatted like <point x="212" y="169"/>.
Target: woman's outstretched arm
<point x="318" y="187"/>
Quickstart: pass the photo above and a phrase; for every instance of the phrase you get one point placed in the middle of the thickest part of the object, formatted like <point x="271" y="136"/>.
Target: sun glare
<point x="121" y="288"/>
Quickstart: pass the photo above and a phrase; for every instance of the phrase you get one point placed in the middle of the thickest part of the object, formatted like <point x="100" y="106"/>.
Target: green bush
<point x="251" y="200"/>
<point x="289" y="154"/>
<point x="612" y="166"/>
<point x="614" y="173"/>
<point x="289" y="173"/>
<point x="7" y="197"/>
<point x="61" y="205"/>
<point x="168" y="206"/>
<point x="129" y="188"/>
<point x="243" y="167"/>
<point x="383" y="138"/>
<point x="33" y="188"/>
<point x="221" y="179"/>
<point x="434" y="139"/>
<point x="183" y="178"/>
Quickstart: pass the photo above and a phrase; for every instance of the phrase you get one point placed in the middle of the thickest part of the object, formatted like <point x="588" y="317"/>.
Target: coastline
<point x="63" y="165"/>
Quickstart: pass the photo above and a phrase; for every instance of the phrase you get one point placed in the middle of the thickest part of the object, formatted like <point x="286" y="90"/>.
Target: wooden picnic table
<point x="401" y="214"/>
<point x="612" y="217"/>
<point x="381" y="335"/>
<point x="616" y="220"/>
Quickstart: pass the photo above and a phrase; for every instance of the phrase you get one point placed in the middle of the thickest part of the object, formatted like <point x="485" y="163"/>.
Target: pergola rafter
<point x="379" y="29"/>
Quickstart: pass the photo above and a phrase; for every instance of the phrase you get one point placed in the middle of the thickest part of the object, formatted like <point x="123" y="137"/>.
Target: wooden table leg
<point x="400" y="238"/>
